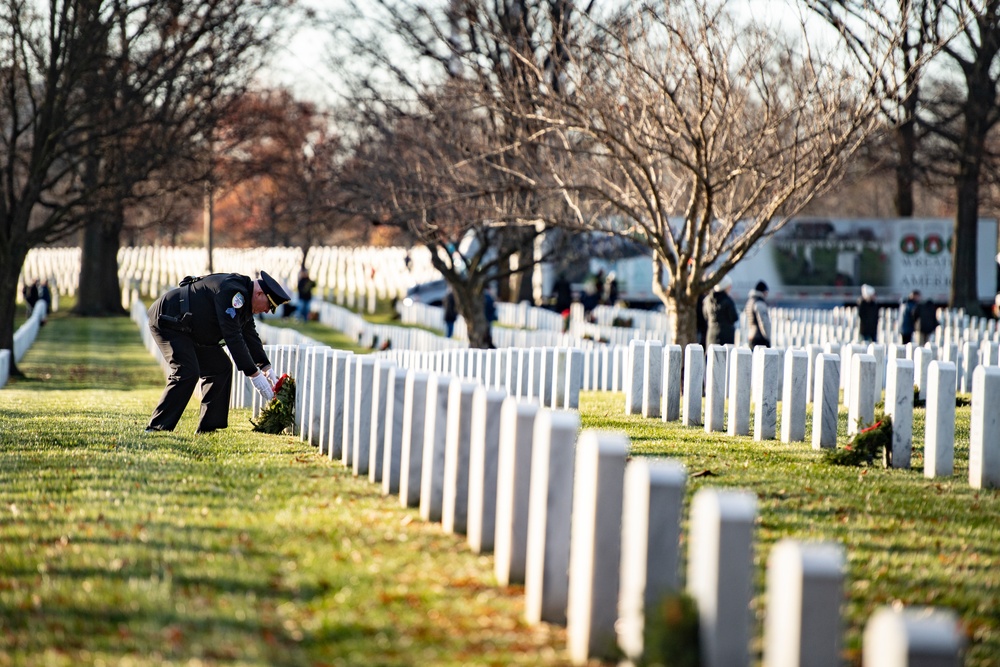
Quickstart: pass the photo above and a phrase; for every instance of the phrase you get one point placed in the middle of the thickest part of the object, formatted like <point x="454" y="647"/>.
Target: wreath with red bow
<point x="279" y="413"/>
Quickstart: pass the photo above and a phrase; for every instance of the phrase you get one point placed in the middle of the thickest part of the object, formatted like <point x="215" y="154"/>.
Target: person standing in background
<point x="868" y="314"/>
<point x="908" y="320"/>
<point x="926" y="324"/>
<point x="720" y="314"/>
<point x="30" y="293"/>
<point x="305" y="289"/>
<point x="758" y="318"/>
<point x="450" y="313"/>
<point x="45" y="294"/>
<point x="490" y="311"/>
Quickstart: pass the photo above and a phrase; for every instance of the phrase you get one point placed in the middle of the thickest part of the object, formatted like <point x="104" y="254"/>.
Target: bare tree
<point x="450" y="185"/>
<point x="168" y="72"/>
<point x="467" y="71"/>
<point x="915" y="27"/>
<point x="962" y="115"/>
<point x="704" y="136"/>
<point x="86" y="88"/>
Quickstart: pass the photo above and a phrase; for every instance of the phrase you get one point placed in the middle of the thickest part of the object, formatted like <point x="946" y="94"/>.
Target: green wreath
<point x="279" y="413"/>
<point x="867" y="445"/>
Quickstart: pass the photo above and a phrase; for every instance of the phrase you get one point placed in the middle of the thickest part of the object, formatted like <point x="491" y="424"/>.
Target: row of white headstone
<point x="593" y="537"/>
<point x="659" y="385"/>
<point x="347" y="275"/>
<point x="24" y="338"/>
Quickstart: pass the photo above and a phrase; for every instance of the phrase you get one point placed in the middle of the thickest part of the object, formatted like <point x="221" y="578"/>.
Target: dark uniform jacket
<point x="221" y="311"/>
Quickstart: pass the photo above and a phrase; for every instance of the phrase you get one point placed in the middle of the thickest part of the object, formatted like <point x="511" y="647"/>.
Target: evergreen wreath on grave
<point x="867" y="445"/>
<point x="279" y="413"/>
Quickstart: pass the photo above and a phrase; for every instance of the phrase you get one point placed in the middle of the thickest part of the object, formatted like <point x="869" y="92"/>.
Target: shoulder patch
<point x="231" y="312"/>
<point x="237" y="300"/>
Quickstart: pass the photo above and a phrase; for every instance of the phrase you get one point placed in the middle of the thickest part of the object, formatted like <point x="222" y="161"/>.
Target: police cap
<point x="275" y="294"/>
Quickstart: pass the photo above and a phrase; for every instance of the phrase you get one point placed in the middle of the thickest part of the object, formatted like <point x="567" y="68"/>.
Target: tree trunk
<point x="964" y="292"/>
<point x="469" y="301"/>
<point x="10" y="268"/>
<point x="684" y="319"/>
<point x="680" y="308"/>
<point x="99" y="292"/>
<point x="906" y="140"/>
<point x="525" y="289"/>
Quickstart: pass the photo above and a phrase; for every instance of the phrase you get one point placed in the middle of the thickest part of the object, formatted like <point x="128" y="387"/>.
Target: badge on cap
<point x="237" y="300"/>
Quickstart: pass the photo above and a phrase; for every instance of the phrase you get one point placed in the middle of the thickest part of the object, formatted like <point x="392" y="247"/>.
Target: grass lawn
<point x="243" y="548"/>
<point x="119" y="547"/>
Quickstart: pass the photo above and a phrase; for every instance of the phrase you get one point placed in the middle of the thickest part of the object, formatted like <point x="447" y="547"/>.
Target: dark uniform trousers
<point x="190" y="362"/>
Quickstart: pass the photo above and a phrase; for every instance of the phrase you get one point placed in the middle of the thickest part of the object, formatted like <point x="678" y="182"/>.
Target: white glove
<point x="263" y="386"/>
<point x="266" y="370"/>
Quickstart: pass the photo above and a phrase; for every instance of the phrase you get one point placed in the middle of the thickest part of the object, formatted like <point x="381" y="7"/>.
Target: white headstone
<point x="381" y="378"/>
<point x="651" y="526"/>
<point x="793" y="399"/>
<point x="939" y="422"/>
<point x="899" y="406"/>
<point x="984" y="444"/>
<point x="517" y="426"/>
<point x="634" y="377"/>
<point x="412" y="452"/>
<point x="715" y="389"/>
<point x="671" y="383"/>
<point x="741" y="362"/>
<point x="455" y="502"/>
<point x="392" y="447"/>
<point x="861" y="408"/>
<point x="484" y="453"/>
<point x="766" y="392"/>
<point x="694" y="381"/>
<point x="652" y="378"/>
<point x="550" y="504"/>
<point x="826" y="401"/>
<point x="435" y="434"/>
<point x="912" y="638"/>
<point x="361" y="421"/>
<point x="805" y="585"/>
<point x="595" y="560"/>
<point x="720" y="573"/>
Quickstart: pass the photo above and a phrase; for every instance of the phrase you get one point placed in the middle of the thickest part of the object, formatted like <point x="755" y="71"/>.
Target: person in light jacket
<point x="758" y="319"/>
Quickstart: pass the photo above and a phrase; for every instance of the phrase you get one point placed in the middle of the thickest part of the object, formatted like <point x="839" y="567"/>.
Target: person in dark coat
<point x="45" y="294"/>
<point x="490" y="311"/>
<point x="908" y="319"/>
<point x="721" y="315"/>
<point x="30" y="294"/>
<point x="305" y="289"/>
<point x="758" y="318"/>
<point x="563" y="294"/>
<point x="450" y="313"/>
<point x="926" y="324"/>
<point x="868" y="314"/>
<point x="190" y="323"/>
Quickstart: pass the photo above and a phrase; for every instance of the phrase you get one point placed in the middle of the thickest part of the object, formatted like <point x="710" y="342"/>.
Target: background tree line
<point x="476" y="127"/>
